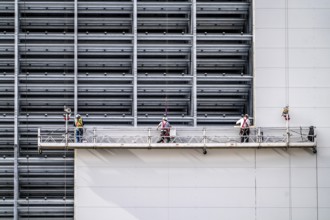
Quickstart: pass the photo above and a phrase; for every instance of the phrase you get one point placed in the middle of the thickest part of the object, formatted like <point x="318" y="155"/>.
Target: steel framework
<point x="117" y="63"/>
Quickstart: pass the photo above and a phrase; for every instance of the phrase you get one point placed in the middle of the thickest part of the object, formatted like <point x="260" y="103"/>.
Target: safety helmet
<point x="77" y="116"/>
<point x="165" y="118"/>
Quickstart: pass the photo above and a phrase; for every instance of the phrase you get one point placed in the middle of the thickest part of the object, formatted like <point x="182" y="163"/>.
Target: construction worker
<point x="79" y="124"/>
<point x="244" y="131"/>
<point x="164" y="131"/>
<point x="285" y="113"/>
<point x="311" y="134"/>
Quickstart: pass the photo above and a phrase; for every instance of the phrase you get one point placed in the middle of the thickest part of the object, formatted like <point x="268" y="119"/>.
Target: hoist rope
<point x="317" y="185"/>
<point x="66" y="119"/>
<point x="26" y="109"/>
<point x="287" y="100"/>
<point x="287" y="78"/>
<point x="166" y="64"/>
<point x="65" y="186"/>
<point x="255" y="184"/>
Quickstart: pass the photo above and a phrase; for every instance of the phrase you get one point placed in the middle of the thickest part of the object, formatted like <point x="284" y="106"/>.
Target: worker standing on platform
<point x="79" y="124"/>
<point x="164" y="131"/>
<point x="244" y="128"/>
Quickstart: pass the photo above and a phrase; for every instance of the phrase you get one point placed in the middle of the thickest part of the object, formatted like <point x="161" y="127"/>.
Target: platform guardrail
<point x="207" y="137"/>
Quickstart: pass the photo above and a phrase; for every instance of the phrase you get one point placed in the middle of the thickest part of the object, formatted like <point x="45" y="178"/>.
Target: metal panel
<point x="116" y="63"/>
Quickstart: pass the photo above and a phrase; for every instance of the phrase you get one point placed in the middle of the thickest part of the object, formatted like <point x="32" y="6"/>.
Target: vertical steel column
<point x="75" y="57"/>
<point x="135" y="62"/>
<point x="16" y="113"/>
<point x="194" y="61"/>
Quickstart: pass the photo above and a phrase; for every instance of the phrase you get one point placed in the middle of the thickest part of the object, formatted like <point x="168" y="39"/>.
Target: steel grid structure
<point x="123" y="62"/>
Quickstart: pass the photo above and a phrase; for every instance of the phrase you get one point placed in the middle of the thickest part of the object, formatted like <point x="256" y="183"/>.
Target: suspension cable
<point x="65" y="97"/>
<point x="65" y="185"/>
<point x="287" y="97"/>
<point x="26" y="109"/>
<point x="166" y="63"/>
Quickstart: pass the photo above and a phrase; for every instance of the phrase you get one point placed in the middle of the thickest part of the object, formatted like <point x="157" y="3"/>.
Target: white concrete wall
<point x="165" y="184"/>
<point x="292" y="47"/>
<point x="292" y="66"/>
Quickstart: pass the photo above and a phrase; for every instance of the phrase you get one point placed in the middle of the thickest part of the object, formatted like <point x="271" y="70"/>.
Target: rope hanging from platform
<point x="66" y="118"/>
<point x="65" y="187"/>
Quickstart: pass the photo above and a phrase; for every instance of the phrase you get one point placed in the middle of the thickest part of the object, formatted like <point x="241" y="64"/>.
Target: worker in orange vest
<point x="79" y="124"/>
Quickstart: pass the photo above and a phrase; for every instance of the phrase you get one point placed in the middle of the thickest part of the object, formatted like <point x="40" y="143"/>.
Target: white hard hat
<point x="77" y="116"/>
<point x="165" y="118"/>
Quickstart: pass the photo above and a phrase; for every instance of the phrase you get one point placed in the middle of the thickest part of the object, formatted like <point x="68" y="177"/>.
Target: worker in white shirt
<point x="165" y="128"/>
<point x="244" y="128"/>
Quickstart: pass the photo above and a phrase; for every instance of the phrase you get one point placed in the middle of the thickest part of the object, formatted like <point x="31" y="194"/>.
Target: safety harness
<point x="244" y="123"/>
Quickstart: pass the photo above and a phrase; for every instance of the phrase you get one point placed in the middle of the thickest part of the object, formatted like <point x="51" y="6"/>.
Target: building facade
<point x="127" y="63"/>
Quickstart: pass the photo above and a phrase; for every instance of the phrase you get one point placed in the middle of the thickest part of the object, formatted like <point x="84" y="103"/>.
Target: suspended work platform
<point x="180" y="137"/>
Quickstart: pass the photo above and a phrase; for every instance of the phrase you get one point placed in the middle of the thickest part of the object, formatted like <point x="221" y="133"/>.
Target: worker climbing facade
<point x="244" y="128"/>
<point x="165" y="128"/>
<point x="285" y="113"/>
<point x="79" y="124"/>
